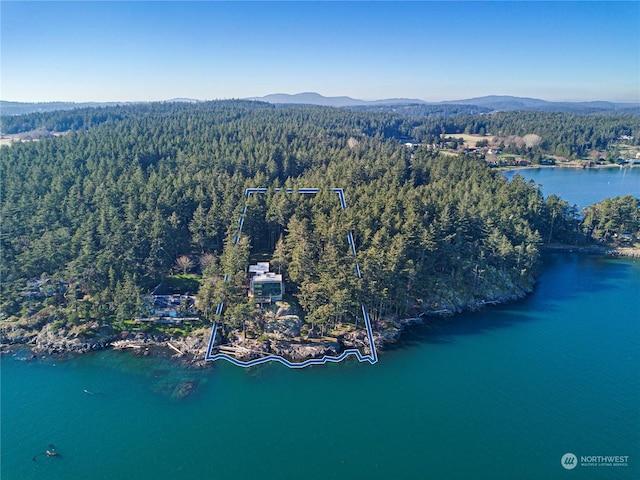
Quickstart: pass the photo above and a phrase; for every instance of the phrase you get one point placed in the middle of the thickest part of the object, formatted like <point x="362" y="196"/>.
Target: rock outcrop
<point x="284" y="326"/>
<point x="299" y="352"/>
<point x="56" y="341"/>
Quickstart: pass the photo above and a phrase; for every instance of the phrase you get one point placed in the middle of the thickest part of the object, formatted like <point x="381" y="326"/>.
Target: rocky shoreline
<point x="44" y="338"/>
<point x="613" y="251"/>
<point x="51" y="341"/>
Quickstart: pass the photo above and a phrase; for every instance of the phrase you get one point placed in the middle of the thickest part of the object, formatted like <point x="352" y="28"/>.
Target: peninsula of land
<point x="133" y="229"/>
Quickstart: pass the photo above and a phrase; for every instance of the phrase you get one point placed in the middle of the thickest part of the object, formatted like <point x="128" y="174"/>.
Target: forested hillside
<point x="562" y="134"/>
<point x="106" y="210"/>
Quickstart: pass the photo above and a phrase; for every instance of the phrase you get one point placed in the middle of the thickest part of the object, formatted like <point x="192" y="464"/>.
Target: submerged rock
<point x="184" y="389"/>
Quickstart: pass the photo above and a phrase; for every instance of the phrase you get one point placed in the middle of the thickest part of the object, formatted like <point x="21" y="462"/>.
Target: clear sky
<point x="140" y="51"/>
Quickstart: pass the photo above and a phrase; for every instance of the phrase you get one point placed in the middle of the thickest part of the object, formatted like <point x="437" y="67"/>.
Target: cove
<point x="583" y="187"/>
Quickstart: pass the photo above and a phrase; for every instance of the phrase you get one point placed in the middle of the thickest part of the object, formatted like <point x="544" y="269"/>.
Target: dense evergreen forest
<point x="562" y="134"/>
<point x="135" y="193"/>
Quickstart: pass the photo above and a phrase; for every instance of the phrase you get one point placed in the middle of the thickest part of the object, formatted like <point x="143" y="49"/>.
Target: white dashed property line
<point x="371" y="358"/>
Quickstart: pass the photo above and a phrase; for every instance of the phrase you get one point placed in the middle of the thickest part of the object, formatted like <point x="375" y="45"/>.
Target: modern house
<point x="163" y="305"/>
<point x="265" y="286"/>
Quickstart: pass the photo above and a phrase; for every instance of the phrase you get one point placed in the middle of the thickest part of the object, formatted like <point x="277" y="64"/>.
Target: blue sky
<point x="141" y="51"/>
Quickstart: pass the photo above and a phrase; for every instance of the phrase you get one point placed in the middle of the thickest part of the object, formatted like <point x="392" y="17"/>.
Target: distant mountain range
<point x="491" y="103"/>
<point x="312" y="98"/>
<point x="21" y="108"/>
<point x="509" y="103"/>
<point x="472" y="105"/>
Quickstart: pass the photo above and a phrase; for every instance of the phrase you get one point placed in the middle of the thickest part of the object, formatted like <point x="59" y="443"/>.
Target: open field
<point x="28" y="136"/>
<point x="469" y="140"/>
<point x="8" y="139"/>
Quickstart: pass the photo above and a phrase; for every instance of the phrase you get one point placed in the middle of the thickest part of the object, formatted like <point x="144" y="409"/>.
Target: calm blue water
<point x="499" y="394"/>
<point x="584" y="187"/>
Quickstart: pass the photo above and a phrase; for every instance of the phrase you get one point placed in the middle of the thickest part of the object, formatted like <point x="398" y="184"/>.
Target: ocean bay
<point x="504" y="392"/>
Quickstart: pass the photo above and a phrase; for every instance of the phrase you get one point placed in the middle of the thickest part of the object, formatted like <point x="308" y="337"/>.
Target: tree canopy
<point x="133" y="193"/>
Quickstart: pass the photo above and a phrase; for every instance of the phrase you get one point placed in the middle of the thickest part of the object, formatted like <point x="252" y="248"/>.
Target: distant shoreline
<point x="568" y="165"/>
<point x="630" y="252"/>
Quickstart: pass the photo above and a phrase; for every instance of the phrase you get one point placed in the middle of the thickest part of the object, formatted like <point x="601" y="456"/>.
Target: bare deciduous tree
<point x="184" y="263"/>
<point x="531" y="140"/>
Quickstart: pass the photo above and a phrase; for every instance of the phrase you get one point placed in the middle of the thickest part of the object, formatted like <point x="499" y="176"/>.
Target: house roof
<point x="268" y="277"/>
<point x="260" y="267"/>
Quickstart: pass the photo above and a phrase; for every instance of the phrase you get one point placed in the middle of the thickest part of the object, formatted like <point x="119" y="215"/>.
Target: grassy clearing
<point x="448" y="152"/>
<point x="469" y="140"/>
<point x="183" y="283"/>
<point x="171" y="329"/>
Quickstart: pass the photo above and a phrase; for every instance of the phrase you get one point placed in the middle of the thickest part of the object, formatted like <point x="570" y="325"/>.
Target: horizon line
<point x="257" y="97"/>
